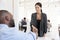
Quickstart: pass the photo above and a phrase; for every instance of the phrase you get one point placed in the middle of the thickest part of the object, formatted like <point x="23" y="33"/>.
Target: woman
<point x="39" y="20"/>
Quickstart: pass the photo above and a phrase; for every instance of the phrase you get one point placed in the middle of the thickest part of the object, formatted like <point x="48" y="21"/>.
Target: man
<point x="8" y="32"/>
<point x="48" y="25"/>
<point x="59" y="30"/>
<point x="24" y="24"/>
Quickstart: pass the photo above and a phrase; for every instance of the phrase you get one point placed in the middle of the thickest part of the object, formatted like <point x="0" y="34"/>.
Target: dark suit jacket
<point x="43" y="23"/>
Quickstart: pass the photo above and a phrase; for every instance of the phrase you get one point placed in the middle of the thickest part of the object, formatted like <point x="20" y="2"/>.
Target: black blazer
<point x="43" y="23"/>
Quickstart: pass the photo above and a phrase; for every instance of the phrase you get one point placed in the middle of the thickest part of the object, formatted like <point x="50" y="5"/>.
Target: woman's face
<point x="38" y="8"/>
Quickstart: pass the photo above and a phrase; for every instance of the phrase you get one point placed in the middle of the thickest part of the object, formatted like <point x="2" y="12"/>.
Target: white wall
<point x="6" y="5"/>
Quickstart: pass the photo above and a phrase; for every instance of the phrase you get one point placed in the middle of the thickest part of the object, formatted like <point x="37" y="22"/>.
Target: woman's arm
<point x="33" y="28"/>
<point x="45" y="24"/>
<point x="32" y="21"/>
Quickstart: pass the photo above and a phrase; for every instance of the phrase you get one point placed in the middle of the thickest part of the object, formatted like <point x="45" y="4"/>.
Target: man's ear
<point x="7" y="18"/>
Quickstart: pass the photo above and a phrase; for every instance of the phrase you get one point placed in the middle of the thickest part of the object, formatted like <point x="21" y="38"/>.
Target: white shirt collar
<point x="3" y="26"/>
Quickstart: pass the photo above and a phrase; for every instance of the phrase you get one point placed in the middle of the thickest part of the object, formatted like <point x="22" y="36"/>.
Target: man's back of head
<point x="6" y="18"/>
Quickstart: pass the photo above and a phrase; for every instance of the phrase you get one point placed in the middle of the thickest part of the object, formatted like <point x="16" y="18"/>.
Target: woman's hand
<point x="35" y="30"/>
<point x="44" y="34"/>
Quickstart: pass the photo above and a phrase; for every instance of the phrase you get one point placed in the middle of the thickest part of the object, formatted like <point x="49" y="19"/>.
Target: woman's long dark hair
<point x="39" y="4"/>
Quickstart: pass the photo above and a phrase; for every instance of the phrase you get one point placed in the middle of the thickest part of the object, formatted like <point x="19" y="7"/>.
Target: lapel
<point x="41" y="22"/>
